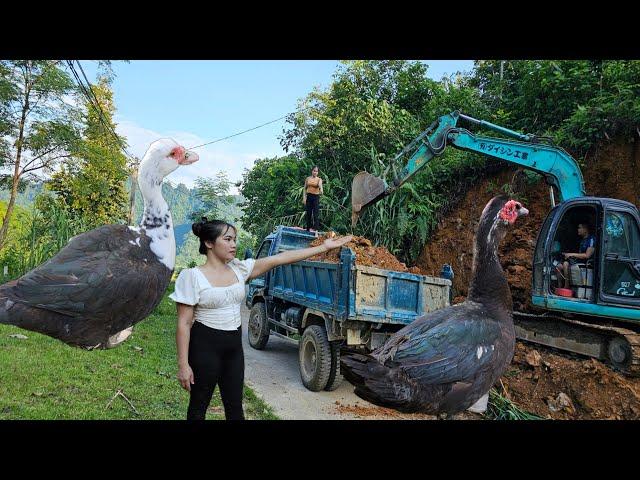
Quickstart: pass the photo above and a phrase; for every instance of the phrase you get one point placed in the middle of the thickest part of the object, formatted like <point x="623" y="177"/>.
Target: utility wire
<point x="88" y="96"/>
<point x="115" y="135"/>
<point x="93" y="101"/>
<point x="245" y="131"/>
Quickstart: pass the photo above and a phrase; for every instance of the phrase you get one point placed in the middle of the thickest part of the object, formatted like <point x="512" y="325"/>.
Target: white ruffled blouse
<point x="215" y="307"/>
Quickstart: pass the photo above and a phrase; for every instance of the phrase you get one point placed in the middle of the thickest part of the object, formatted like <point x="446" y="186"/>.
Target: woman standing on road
<point x="208" y="300"/>
<point x="311" y="199"/>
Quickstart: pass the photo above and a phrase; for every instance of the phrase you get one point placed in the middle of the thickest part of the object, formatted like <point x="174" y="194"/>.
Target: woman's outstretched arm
<point x="265" y="264"/>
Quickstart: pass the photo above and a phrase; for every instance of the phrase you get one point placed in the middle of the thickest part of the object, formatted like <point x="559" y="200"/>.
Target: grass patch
<point x="43" y="378"/>
<point x="501" y="408"/>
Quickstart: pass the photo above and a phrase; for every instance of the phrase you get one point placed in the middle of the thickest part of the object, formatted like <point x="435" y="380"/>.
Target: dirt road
<point x="273" y="374"/>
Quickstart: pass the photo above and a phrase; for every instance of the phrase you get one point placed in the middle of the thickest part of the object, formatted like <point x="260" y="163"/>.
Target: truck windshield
<point x="264" y="249"/>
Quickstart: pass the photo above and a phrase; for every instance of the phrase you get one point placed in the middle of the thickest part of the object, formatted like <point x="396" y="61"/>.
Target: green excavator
<point x="600" y="315"/>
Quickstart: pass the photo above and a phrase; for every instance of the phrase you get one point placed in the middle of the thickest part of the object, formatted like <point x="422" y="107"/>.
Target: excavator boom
<point x="560" y="169"/>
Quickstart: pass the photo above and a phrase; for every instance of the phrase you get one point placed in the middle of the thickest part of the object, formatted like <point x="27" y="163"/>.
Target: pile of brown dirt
<point x="366" y="254"/>
<point x="372" y="412"/>
<point x="613" y="171"/>
<point x="559" y="386"/>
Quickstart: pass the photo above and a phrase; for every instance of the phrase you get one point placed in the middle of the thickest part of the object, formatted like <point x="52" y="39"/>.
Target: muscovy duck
<point x="445" y="361"/>
<point x="92" y="292"/>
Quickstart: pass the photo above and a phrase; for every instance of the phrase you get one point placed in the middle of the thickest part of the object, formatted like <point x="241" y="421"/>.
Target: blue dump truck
<point x="325" y="306"/>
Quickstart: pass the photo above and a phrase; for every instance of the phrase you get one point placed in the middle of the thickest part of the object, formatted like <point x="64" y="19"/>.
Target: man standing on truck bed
<point x="311" y="199"/>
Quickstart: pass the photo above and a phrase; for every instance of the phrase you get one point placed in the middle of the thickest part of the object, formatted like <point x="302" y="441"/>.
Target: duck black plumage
<point x="445" y="361"/>
<point x="102" y="282"/>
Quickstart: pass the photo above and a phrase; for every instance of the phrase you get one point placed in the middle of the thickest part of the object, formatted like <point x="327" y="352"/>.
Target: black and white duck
<point x="445" y="361"/>
<point x="92" y="292"/>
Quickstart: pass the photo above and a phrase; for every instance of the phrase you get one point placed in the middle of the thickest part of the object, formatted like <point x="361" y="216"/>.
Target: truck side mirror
<point x="248" y="253"/>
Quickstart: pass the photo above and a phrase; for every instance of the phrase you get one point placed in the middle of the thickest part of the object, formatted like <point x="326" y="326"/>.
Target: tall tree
<point x="214" y="196"/>
<point x="214" y="202"/>
<point x="93" y="185"/>
<point x="272" y="192"/>
<point x="576" y="102"/>
<point x="38" y="128"/>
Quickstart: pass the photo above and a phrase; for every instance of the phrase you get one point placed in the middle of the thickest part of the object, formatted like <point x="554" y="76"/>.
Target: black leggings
<point x="216" y="357"/>
<point x="313" y="209"/>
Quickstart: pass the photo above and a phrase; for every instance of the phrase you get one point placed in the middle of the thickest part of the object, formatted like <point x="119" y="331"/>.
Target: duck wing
<point x="451" y="345"/>
<point x="108" y="274"/>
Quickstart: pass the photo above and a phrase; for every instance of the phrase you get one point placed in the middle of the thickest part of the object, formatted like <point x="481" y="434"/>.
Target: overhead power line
<point x="248" y="130"/>
<point x="115" y="135"/>
<point x="93" y="100"/>
<point x="89" y="94"/>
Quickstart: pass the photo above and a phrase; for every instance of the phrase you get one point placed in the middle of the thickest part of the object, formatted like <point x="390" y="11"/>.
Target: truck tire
<point x="335" y="378"/>
<point x="314" y="358"/>
<point x="258" y="326"/>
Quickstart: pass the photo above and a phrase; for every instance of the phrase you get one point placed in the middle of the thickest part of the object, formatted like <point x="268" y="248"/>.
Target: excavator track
<point x="616" y="346"/>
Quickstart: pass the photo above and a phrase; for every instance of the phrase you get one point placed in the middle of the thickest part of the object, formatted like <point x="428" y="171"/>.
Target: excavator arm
<point x="527" y="151"/>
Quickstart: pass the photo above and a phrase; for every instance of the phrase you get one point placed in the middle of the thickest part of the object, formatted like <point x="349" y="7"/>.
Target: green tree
<point x="575" y="102"/>
<point x="16" y="246"/>
<point x="214" y="202"/>
<point x="37" y="234"/>
<point x="214" y="197"/>
<point x="272" y="190"/>
<point x="38" y="127"/>
<point x="92" y="185"/>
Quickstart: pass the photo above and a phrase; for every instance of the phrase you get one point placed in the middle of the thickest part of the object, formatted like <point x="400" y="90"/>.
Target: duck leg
<point x="481" y="405"/>
<point x="118" y="338"/>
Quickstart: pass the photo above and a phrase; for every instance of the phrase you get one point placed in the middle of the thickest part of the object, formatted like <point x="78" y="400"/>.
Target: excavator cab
<point x="609" y="282"/>
<point x="600" y="315"/>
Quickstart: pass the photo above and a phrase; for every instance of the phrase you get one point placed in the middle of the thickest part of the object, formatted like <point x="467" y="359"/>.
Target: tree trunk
<point x="7" y="215"/>
<point x="16" y="171"/>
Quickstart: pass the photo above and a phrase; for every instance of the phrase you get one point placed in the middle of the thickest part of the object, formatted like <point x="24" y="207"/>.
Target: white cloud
<point x="213" y="158"/>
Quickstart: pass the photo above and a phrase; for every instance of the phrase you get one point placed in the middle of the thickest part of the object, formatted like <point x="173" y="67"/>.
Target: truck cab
<point x="294" y="238"/>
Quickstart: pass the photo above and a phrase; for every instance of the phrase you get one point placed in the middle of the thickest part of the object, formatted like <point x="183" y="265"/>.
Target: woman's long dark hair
<point x="210" y="230"/>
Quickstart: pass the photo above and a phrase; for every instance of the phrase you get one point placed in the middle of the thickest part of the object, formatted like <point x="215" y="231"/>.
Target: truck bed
<point x="353" y="292"/>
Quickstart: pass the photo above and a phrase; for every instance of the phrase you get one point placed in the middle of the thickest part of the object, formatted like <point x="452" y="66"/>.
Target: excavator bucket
<point x="365" y="189"/>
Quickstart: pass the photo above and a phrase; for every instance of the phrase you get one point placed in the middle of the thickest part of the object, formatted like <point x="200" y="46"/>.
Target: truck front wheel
<point x="314" y="358"/>
<point x="258" y="328"/>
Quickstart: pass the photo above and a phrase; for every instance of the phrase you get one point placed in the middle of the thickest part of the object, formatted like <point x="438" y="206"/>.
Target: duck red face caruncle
<point x="511" y="211"/>
<point x="182" y="156"/>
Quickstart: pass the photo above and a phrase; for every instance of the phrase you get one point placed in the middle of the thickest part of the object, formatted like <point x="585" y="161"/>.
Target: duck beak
<point x="189" y="158"/>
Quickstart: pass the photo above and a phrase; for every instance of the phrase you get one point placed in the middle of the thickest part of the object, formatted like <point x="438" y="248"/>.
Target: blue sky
<point x="196" y="102"/>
